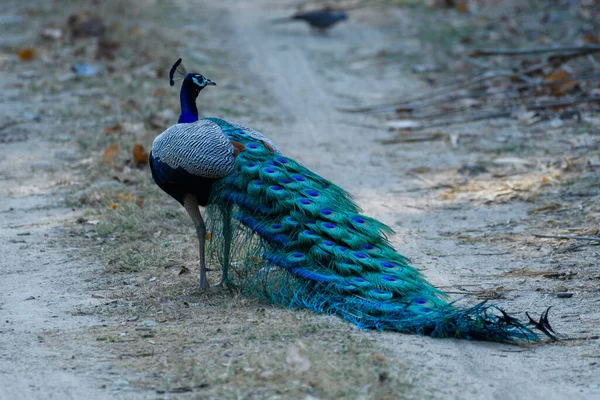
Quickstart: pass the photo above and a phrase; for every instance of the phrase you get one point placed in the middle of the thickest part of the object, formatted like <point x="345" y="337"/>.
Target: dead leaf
<point x="462" y="7"/>
<point x="561" y="82"/>
<point x="545" y="208"/>
<point x="140" y="157"/>
<point x="52" y="33"/>
<point x="546" y="180"/>
<point x="85" y="25"/>
<point x="116" y="128"/>
<point x="591" y="38"/>
<point x="139" y="202"/>
<point x="208" y="236"/>
<point x="448" y="195"/>
<point x="403" y="124"/>
<point x="183" y="270"/>
<point x="113" y="206"/>
<point x="110" y="154"/>
<point x="106" y="49"/>
<point x="297" y="358"/>
<point x="26" y="54"/>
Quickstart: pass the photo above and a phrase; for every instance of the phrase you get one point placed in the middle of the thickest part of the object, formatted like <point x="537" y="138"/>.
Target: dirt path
<point x="305" y="74"/>
<point x="48" y="347"/>
<point x="41" y="286"/>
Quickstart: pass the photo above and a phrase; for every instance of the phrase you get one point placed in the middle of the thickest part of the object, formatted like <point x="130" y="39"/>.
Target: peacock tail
<point x="301" y="241"/>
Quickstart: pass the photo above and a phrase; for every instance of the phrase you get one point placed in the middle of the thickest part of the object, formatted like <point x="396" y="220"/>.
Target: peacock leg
<point x="227" y="236"/>
<point x="190" y="202"/>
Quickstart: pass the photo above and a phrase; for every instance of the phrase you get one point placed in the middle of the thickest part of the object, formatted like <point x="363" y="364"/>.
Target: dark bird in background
<point x="297" y="239"/>
<point x="319" y="19"/>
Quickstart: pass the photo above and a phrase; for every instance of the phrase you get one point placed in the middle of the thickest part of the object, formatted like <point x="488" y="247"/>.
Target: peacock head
<point x="191" y="81"/>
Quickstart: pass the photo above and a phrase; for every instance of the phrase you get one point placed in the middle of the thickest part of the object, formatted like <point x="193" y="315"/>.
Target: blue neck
<point x="189" y="111"/>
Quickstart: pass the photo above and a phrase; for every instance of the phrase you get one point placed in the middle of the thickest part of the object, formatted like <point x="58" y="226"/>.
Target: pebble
<point x="564" y="295"/>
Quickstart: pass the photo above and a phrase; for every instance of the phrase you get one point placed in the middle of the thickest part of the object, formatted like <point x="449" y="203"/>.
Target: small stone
<point x="30" y="298"/>
<point x="564" y="295"/>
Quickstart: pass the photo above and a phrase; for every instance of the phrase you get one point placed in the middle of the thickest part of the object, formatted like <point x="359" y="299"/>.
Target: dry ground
<point x="97" y="265"/>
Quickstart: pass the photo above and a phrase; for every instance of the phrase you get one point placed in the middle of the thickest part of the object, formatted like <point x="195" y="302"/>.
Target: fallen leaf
<point x="184" y="270"/>
<point x="106" y="49"/>
<point x="403" y="124"/>
<point x="51" y="33"/>
<point x="591" y="38"/>
<point x="139" y="202"/>
<point x="26" y="54"/>
<point x="297" y="358"/>
<point x="561" y="82"/>
<point x="85" y="25"/>
<point x="110" y="154"/>
<point x="113" y="206"/>
<point x="462" y="7"/>
<point x="140" y="157"/>
<point x="546" y="180"/>
<point x="208" y="236"/>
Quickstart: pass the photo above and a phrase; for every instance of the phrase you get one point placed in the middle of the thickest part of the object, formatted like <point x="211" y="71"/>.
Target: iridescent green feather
<point x="300" y="241"/>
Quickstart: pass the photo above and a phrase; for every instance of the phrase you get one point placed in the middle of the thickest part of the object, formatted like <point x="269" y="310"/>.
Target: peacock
<point x="297" y="239"/>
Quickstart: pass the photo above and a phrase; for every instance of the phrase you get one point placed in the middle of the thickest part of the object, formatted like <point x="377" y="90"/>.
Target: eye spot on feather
<point x="312" y="193"/>
<point x="326" y="211"/>
<point x="420" y="301"/>
<point x="286" y="181"/>
<point x="359" y="279"/>
<point x="258" y="183"/>
<point x="276" y="188"/>
<point x="299" y="178"/>
<point x="377" y="291"/>
<point x="342" y="249"/>
<point x="390" y="278"/>
<point x="281" y="160"/>
<point x="360" y="255"/>
<point x="251" y="165"/>
<point x="273" y="163"/>
<point x="329" y="225"/>
<point x="305" y="202"/>
<point x="386" y="264"/>
<point x="309" y="233"/>
<point x="328" y="243"/>
<point x="270" y="170"/>
<point x="368" y="246"/>
<point x="275" y="226"/>
<point x="252" y="146"/>
<point x="358" y="220"/>
<point x="297" y="255"/>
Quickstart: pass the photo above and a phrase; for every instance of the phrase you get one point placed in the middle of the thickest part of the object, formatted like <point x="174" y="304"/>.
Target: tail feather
<point x="302" y="242"/>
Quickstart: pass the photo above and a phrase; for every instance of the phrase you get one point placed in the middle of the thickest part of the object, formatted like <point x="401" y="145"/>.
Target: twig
<point x="434" y="93"/>
<point x="575" y="237"/>
<point x="9" y="124"/>
<point x="535" y="50"/>
<point x="562" y="103"/>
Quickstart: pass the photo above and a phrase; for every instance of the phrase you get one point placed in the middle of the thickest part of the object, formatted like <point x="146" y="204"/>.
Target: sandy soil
<point x="296" y="79"/>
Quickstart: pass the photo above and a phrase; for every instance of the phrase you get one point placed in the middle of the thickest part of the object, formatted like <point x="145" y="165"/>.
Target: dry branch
<point x="536" y="50"/>
<point x="573" y="237"/>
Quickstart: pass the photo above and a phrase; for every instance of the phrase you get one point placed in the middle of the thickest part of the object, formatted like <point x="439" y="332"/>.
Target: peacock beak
<point x="210" y="83"/>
